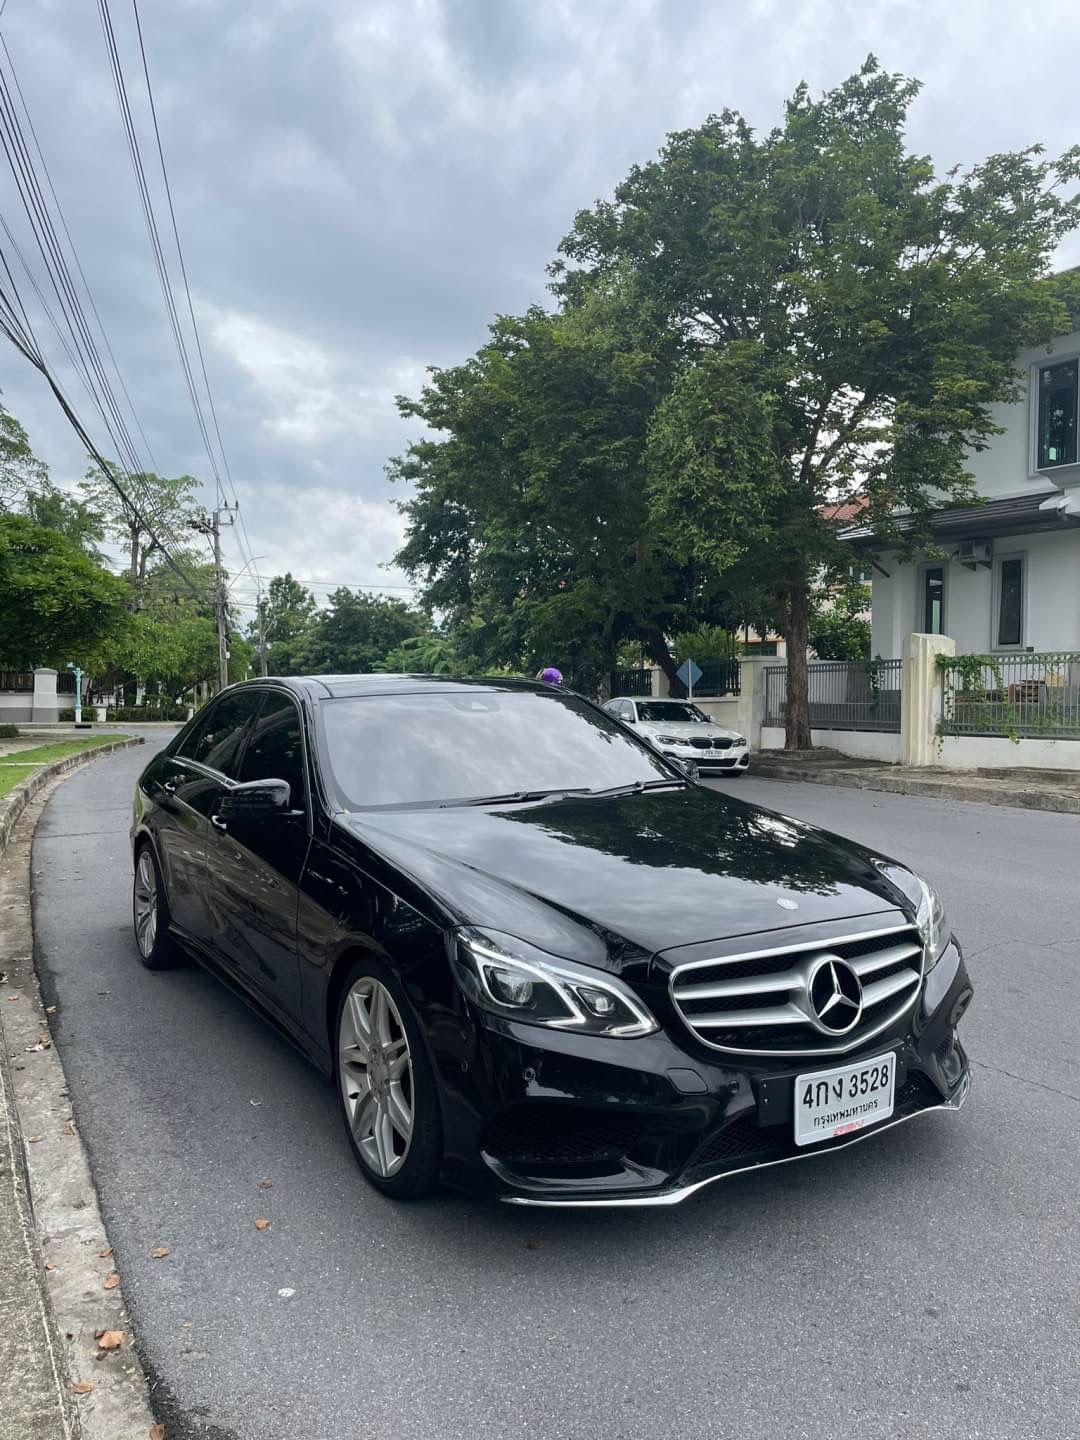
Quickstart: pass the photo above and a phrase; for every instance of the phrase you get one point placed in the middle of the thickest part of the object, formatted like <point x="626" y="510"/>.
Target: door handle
<point x="218" y="823"/>
<point x="169" y="786"/>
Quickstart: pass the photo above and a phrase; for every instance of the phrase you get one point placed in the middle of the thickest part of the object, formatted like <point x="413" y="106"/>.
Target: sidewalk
<point x="1020" y="788"/>
<point x="58" y="1301"/>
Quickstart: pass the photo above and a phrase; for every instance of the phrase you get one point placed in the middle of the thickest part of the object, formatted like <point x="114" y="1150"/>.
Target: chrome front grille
<point x="817" y="997"/>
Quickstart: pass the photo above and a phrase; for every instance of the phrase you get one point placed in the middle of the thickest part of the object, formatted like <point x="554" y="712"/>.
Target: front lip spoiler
<point x="676" y="1197"/>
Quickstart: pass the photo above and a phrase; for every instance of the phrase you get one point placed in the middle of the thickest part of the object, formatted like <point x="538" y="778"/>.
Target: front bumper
<point x="553" y="1119"/>
<point x="710" y="761"/>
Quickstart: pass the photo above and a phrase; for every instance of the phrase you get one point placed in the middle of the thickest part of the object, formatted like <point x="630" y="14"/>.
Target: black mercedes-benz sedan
<point x="538" y="959"/>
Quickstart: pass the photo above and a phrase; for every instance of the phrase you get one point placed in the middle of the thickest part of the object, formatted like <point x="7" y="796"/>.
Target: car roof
<point x="322" y="687"/>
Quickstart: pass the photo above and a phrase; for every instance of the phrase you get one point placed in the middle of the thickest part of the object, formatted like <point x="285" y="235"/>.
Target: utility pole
<point x="262" y="635"/>
<point x="212" y="527"/>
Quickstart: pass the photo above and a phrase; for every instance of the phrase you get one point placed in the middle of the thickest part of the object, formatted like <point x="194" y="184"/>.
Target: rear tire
<point x="386" y="1084"/>
<point x="150" y="914"/>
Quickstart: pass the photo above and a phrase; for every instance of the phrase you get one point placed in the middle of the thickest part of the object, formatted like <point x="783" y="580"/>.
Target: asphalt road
<point x="926" y="1284"/>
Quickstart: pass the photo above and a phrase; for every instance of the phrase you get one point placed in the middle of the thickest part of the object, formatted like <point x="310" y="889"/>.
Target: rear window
<point x="429" y="748"/>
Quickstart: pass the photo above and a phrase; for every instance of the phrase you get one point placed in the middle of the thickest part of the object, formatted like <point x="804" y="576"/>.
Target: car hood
<point x="686" y="729"/>
<point x="630" y="874"/>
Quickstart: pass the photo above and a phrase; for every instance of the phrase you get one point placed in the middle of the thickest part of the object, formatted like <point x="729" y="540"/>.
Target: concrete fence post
<point x="46" y="701"/>
<point x="920" y="698"/>
<point x="751" y="711"/>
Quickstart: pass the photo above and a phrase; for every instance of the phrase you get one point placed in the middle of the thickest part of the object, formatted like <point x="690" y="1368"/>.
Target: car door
<point x="254" y="864"/>
<point x="185" y="787"/>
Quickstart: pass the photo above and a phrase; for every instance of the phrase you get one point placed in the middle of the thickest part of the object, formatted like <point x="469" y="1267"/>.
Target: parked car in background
<point x="538" y="961"/>
<point x="682" y="731"/>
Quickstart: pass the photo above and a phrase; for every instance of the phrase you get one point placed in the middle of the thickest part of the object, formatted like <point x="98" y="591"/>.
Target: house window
<point x="1010" y="606"/>
<point x="934" y="600"/>
<point x="1056" y="425"/>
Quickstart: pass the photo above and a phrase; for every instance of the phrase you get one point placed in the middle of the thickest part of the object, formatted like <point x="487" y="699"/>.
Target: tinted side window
<point x="217" y="742"/>
<point x="275" y="749"/>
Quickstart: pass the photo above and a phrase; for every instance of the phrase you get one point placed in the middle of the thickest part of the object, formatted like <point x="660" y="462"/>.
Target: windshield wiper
<point x="517" y="796"/>
<point x="635" y="787"/>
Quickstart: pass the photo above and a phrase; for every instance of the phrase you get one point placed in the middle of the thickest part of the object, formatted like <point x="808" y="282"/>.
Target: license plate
<point x="836" y="1102"/>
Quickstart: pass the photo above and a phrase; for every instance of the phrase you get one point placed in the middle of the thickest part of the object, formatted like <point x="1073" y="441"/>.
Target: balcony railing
<point x="1019" y="696"/>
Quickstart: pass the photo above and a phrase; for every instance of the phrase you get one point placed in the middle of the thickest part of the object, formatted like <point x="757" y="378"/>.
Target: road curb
<point x="15" y="801"/>
<point x="1059" y="802"/>
<point x="67" y="1250"/>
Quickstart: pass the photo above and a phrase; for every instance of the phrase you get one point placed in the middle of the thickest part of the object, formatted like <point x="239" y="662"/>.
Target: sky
<point x="362" y="185"/>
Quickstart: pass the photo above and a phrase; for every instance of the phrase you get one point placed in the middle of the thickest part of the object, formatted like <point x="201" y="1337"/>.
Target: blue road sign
<point x="689" y="673"/>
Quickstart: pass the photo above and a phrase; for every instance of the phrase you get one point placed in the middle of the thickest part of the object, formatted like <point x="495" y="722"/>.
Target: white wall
<point x="1006" y="467"/>
<point x="975" y="752"/>
<point x="865" y="744"/>
<point x="1051" y="601"/>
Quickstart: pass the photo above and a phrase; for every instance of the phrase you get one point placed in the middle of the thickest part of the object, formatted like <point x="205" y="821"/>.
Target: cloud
<point x="307" y="393"/>
<point x="360" y="188"/>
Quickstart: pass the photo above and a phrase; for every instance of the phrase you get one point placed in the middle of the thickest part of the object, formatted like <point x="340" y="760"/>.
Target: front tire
<point x="386" y="1085"/>
<point x="150" y="914"/>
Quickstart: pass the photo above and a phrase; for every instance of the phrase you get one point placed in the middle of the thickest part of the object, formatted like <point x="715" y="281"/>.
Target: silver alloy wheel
<point x="146" y="904"/>
<point x="375" y="1065"/>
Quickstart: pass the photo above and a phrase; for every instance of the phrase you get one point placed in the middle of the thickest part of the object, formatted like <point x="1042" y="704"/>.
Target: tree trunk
<point x="664" y="658"/>
<point x="795" y="610"/>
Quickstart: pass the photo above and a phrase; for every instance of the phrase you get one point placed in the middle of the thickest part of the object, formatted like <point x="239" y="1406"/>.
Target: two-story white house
<point x="1011" y="582"/>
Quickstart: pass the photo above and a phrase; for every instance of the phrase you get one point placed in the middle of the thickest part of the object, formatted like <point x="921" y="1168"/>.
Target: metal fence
<point x="1034" y="696"/>
<point x="718" y="677"/>
<point x="631" y="682"/>
<point x="16" y="682"/>
<point x="843" y="695"/>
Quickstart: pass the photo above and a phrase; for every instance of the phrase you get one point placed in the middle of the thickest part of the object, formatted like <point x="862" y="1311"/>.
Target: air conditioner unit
<point x="973" y="553"/>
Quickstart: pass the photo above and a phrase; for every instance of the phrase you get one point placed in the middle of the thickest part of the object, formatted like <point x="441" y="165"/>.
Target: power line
<point x="87" y="365"/>
<point x="156" y="247"/>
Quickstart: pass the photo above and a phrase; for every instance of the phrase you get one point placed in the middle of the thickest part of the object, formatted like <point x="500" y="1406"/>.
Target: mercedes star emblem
<point x="836" y="996"/>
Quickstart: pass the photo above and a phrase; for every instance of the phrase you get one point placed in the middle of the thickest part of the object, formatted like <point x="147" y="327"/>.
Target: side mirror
<point x="689" y="769"/>
<point x="255" y="800"/>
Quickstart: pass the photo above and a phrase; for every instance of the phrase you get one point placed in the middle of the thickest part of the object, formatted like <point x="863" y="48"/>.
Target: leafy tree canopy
<point x="846" y="320"/>
<point x="354" y="633"/>
<point x="529" y="525"/>
<point x="56" y="603"/>
<point x="839" y="627"/>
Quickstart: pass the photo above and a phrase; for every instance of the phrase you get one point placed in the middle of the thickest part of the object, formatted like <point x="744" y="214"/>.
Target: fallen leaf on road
<point x="68" y="1130"/>
<point x="50" y="1009"/>
<point x="160" y="1252"/>
<point x="112" y="1280"/>
<point x="254" y="1102"/>
<point x="106" y="1252"/>
<point x="110" y="1339"/>
<point x="50" y="1266"/>
<point x="40" y="1045"/>
<point x="262" y="1224"/>
<point x="32" y="1139"/>
<point x="266" y="1184"/>
<point x="534" y="1244"/>
<point x="156" y="1432"/>
<point x="286" y="1293"/>
<point x="83" y="1387"/>
<point x="11" y="999"/>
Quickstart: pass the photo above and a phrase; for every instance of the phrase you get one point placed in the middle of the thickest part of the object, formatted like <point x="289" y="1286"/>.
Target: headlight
<point x="932" y="922"/>
<point x="670" y="740"/>
<point x="509" y="977"/>
<point x="738" y="740"/>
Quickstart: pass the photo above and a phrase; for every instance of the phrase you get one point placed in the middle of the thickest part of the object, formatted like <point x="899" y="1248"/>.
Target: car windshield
<point x="441" y="747"/>
<point x="671" y="712"/>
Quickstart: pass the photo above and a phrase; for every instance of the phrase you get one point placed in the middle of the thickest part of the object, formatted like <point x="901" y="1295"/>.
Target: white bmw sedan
<point x="680" y="729"/>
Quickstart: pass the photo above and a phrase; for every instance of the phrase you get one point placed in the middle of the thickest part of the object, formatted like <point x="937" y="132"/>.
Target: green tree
<point x="165" y="507"/>
<point x="56" y="603"/>
<point x="76" y="519"/>
<point x="529" y="525"/>
<point x="287" y="613"/>
<point x="839" y="626"/>
<point x="354" y="633"/>
<point x="20" y="469"/>
<point x="846" y="321"/>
